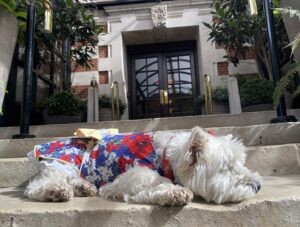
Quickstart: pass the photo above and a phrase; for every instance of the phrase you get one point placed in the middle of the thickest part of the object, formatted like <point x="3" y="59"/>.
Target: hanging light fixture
<point x="48" y="16"/>
<point x="253" y="7"/>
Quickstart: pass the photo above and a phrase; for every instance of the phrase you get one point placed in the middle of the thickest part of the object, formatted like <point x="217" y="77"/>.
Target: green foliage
<point x="233" y="28"/>
<point x="14" y="7"/>
<point x="71" y="21"/>
<point x="64" y="103"/>
<point x="236" y="30"/>
<point x="219" y="94"/>
<point x="105" y="102"/>
<point x="2" y="90"/>
<point x="285" y="83"/>
<point x="256" y="91"/>
<point x="200" y="100"/>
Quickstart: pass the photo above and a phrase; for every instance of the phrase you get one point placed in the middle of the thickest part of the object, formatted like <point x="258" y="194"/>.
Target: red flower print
<point x="66" y="158"/>
<point x="37" y="153"/>
<point x="94" y="154"/>
<point x="140" y="146"/>
<point x="122" y="163"/>
<point x="77" y="160"/>
<point x="54" y="146"/>
<point x="110" y="147"/>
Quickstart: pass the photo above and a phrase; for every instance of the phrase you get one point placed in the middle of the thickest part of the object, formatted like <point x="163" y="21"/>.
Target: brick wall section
<point x="80" y="90"/>
<point x="222" y="68"/>
<point x="103" y="51"/>
<point x="103" y="77"/>
<point x="93" y="67"/>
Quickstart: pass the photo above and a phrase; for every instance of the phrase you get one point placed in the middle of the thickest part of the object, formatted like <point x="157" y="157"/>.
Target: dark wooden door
<point x="163" y="84"/>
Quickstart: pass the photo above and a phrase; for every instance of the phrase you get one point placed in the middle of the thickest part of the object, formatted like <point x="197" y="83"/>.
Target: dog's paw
<point x="180" y="196"/>
<point x="58" y="193"/>
<point x="85" y="189"/>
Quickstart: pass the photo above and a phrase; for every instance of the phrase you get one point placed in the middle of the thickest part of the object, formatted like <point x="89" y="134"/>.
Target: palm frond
<point x="283" y="84"/>
<point x="291" y="12"/>
<point x="295" y="43"/>
<point x="297" y="92"/>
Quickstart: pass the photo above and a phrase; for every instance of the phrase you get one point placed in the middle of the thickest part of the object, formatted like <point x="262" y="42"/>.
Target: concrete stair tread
<point x="277" y="191"/>
<point x="225" y="120"/>
<point x="266" y="134"/>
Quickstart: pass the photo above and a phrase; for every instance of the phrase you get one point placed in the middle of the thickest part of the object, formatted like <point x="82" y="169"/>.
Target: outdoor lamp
<point x="48" y="16"/>
<point x="253" y="7"/>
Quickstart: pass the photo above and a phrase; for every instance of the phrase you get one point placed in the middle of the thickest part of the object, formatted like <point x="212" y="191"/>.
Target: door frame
<point x="148" y="49"/>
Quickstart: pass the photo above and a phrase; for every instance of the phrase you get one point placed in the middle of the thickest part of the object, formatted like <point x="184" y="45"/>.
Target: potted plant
<point x="220" y="100"/>
<point x="105" y="108"/>
<point x="63" y="107"/>
<point x="256" y="95"/>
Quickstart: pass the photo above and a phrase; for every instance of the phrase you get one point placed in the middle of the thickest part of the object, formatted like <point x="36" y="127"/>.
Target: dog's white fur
<point x="203" y="165"/>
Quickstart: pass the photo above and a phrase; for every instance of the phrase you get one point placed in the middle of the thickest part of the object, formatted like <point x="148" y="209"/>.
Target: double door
<point x="163" y="84"/>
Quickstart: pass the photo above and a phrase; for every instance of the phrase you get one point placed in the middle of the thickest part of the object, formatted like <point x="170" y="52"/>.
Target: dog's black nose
<point x="255" y="186"/>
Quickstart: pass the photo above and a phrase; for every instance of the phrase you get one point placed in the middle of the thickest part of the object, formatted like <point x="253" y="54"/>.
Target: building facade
<point x="158" y="52"/>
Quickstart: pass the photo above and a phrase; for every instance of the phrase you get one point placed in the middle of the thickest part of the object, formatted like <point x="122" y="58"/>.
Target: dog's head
<point x="214" y="168"/>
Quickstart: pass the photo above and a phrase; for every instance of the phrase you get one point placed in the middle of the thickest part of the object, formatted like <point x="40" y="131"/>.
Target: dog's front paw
<point x="180" y="196"/>
<point x="58" y="193"/>
<point x="85" y="189"/>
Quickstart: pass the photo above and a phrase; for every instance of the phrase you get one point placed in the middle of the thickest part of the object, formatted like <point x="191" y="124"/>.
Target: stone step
<point x="276" y="204"/>
<point x="267" y="160"/>
<point x="265" y="134"/>
<point x="205" y="121"/>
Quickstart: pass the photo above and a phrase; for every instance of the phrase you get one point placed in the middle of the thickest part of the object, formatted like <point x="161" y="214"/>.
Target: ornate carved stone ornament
<point x="159" y="16"/>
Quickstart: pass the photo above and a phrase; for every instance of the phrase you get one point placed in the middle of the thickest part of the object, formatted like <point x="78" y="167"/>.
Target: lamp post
<point x="281" y="109"/>
<point x="28" y="70"/>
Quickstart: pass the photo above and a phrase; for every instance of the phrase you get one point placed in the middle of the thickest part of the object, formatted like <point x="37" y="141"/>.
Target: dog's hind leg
<point x="142" y="185"/>
<point x="50" y="185"/>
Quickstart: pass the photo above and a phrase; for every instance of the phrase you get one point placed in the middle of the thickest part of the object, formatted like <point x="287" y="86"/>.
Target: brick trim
<point x="103" y="51"/>
<point x="93" y="67"/>
<point x="103" y="77"/>
<point x="222" y="68"/>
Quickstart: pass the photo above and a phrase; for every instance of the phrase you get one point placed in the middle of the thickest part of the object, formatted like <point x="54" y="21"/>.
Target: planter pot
<point x="105" y="114"/>
<point x="220" y="107"/>
<point x="60" y="119"/>
<point x="8" y="38"/>
<point x="258" y="107"/>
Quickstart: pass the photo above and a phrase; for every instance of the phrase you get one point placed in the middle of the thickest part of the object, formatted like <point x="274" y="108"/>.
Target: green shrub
<point x="219" y="94"/>
<point x="64" y="103"/>
<point x="256" y="91"/>
<point x="105" y="102"/>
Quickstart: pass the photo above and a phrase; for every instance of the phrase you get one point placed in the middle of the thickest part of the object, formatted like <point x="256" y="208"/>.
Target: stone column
<point x="234" y="96"/>
<point x="8" y="38"/>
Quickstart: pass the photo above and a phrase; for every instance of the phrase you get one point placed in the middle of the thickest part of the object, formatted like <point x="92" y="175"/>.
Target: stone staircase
<point x="273" y="151"/>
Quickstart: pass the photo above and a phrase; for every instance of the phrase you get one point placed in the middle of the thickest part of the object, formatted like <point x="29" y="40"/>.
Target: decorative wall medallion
<point x="159" y="16"/>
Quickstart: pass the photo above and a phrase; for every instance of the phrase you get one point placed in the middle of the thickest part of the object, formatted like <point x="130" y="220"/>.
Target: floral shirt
<point x="108" y="158"/>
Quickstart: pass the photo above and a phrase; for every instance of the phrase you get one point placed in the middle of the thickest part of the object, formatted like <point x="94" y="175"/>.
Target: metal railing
<point x="115" y="101"/>
<point x="208" y="97"/>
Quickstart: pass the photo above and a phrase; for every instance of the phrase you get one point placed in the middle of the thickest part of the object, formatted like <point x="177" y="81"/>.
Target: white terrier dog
<point x="202" y="164"/>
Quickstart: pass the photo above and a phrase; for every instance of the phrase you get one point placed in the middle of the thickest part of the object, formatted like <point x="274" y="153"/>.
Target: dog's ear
<point x="196" y="146"/>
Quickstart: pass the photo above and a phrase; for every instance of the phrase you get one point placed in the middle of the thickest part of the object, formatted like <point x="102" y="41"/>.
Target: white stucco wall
<point x="132" y="24"/>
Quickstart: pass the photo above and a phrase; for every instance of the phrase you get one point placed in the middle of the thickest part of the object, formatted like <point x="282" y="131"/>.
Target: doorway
<point x="163" y="80"/>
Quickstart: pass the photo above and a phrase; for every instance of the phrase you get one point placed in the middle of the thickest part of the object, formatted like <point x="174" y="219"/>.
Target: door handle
<point x="166" y="97"/>
<point x="163" y="97"/>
